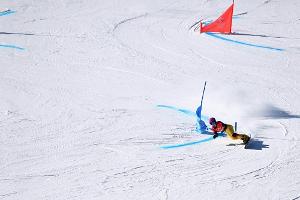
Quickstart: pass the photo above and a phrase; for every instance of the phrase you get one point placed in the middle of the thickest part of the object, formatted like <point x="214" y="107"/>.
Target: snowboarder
<point x="218" y="126"/>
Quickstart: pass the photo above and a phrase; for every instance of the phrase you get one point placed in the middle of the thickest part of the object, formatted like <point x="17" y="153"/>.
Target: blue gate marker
<point x="7" y="12"/>
<point x="184" y="111"/>
<point x="11" y="46"/>
<point x="201" y="126"/>
<point x="188" y="143"/>
<point x="243" y="43"/>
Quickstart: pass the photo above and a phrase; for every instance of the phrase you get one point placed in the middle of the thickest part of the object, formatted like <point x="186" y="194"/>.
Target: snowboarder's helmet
<point x="212" y="120"/>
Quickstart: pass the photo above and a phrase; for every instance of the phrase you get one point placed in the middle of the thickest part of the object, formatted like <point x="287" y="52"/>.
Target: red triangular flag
<point x="222" y="24"/>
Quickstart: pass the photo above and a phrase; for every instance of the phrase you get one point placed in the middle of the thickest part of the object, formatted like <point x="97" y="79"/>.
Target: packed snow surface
<point x="91" y="90"/>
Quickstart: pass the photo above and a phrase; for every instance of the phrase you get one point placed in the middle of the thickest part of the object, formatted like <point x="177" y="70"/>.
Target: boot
<point x="245" y="139"/>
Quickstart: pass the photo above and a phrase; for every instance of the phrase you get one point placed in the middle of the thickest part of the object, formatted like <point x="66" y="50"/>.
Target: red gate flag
<point x="222" y="24"/>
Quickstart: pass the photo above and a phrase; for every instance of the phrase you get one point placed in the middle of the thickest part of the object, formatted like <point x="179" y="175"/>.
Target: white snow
<point x="78" y="106"/>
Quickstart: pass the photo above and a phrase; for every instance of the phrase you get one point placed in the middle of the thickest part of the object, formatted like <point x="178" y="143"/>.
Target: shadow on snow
<point x="272" y="112"/>
<point x="254" y="144"/>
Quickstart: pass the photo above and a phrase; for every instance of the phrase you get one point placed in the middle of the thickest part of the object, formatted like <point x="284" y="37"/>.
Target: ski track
<point x="128" y="20"/>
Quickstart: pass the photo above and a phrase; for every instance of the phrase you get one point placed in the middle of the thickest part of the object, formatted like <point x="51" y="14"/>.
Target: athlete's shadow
<point x="255" y="144"/>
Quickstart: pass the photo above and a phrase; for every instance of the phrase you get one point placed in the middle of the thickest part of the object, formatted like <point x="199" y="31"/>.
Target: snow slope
<point x="80" y="82"/>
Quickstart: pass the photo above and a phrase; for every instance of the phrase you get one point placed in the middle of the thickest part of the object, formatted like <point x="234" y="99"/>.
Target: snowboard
<point x="248" y="143"/>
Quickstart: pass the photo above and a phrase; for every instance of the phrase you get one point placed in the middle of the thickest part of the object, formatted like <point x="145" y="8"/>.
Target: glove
<point x="215" y="135"/>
